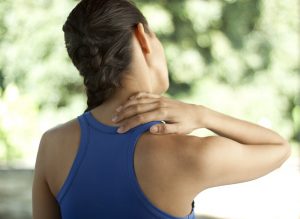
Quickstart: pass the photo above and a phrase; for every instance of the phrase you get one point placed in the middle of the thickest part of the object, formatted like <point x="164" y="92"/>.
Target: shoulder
<point x="62" y="132"/>
<point x="58" y="146"/>
<point x="180" y="148"/>
<point x="191" y="162"/>
<point x="174" y="156"/>
<point x="58" y="138"/>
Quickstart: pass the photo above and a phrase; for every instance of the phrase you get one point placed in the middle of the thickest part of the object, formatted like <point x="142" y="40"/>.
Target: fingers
<point x="133" y="102"/>
<point x="141" y="119"/>
<point x="164" y="129"/>
<point x="141" y="108"/>
<point x="134" y="110"/>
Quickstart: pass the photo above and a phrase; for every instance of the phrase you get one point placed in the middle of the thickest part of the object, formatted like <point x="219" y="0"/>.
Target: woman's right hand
<point x="144" y="107"/>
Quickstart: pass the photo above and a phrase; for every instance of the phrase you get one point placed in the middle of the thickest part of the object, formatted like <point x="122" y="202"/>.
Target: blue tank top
<point x="101" y="183"/>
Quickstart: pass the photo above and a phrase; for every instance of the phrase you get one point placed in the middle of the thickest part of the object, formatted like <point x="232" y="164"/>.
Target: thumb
<point x="163" y="129"/>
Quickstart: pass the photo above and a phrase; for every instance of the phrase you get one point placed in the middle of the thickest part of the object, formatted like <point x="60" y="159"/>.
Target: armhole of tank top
<point x="133" y="179"/>
<point x="81" y="151"/>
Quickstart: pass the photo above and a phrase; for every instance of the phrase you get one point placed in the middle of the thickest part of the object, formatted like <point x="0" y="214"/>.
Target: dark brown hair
<point x="98" y="37"/>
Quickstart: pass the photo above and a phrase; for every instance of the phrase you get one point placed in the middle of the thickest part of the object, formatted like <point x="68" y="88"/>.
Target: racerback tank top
<point x="101" y="183"/>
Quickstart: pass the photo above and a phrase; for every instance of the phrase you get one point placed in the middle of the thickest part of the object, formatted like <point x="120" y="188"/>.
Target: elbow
<point x="287" y="150"/>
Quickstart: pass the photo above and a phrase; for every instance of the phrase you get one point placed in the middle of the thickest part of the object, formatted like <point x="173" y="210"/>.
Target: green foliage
<point x="18" y="115"/>
<point x="237" y="56"/>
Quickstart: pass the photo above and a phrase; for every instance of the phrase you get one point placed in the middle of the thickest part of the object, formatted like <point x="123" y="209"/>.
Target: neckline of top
<point x="99" y="125"/>
<point x="109" y="128"/>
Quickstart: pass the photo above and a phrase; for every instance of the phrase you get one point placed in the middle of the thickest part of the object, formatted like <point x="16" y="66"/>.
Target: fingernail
<point x="114" y="118"/>
<point x="120" y="130"/>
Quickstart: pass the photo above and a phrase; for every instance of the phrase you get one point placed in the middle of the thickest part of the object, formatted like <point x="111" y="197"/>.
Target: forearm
<point x="236" y="129"/>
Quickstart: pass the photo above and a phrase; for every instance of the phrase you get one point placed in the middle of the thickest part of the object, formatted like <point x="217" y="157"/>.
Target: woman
<point x="89" y="167"/>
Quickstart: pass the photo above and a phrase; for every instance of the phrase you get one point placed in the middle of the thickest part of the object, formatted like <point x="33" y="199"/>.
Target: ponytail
<point x="98" y="38"/>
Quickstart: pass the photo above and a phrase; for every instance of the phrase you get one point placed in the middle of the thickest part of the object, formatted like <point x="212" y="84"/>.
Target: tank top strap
<point x="146" y="126"/>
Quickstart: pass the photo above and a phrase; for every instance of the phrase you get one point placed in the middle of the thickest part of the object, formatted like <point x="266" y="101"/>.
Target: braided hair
<point x="98" y="39"/>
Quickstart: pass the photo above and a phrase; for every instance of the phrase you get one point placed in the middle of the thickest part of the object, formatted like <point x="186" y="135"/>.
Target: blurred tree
<point x="237" y="56"/>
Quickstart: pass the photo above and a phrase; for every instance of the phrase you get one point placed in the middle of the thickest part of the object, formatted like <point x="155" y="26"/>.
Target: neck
<point x="132" y="83"/>
<point x="107" y="109"/>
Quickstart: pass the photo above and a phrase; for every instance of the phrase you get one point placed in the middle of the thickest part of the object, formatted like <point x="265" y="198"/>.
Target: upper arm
<point x="214" y="160"/>
<point x="44" y="204"/>
<point x="220" y="160"/>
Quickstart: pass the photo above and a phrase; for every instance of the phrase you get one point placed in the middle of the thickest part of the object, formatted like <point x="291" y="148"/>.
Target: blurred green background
<point x="240" y="57"/>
